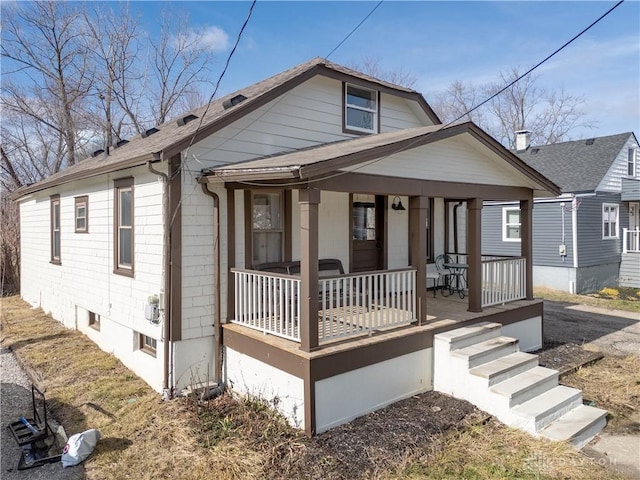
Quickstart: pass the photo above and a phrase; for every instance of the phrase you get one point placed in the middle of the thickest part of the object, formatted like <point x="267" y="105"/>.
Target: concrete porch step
<point x="486" y="351"/>
<point x="465" y="336"/>
<point x="505" y="367"/>
<point x="577" y="427"/>
<point x="547" y="407"/>
<point x="526" y="385"/>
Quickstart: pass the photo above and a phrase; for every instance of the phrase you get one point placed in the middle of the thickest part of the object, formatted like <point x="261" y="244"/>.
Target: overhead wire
<point x="443" y="126"/>
<point x="354" y="30"/>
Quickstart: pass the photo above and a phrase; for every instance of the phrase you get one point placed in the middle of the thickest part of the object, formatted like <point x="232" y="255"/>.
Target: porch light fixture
<point x="397" y="204"/>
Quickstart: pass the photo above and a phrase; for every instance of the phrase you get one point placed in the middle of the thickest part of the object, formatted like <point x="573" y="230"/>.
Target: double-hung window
<point x="511" y="224"/>
<point x="82" y="214"/>
<point x="610" y="220"/>
<point x="632" y="159"/>
<point x="267" y="227"/>
<point x="123" y="226"/>
<point x="361" y="109"/>
<point x="55" y="229"/>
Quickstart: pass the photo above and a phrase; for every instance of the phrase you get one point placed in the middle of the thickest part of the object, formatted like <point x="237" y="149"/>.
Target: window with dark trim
<point x="147" y="344"/>
<point x="267" y="227"/>
<point x="82" y="214"/>
<point x="123" y="227"/>
<point x="94" y="320"/>
<point x="55" y="230"/>
<point x="361" y="109"/>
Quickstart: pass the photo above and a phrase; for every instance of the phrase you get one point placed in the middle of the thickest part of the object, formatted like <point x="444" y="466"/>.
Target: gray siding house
<point x="588" y="237"/>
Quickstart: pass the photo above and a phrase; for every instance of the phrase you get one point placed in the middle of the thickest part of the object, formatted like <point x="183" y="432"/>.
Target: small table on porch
<point x="457" y="272"/>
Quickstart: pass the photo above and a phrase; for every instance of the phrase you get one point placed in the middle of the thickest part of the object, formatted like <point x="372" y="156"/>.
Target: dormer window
<point x="361" y="109"/>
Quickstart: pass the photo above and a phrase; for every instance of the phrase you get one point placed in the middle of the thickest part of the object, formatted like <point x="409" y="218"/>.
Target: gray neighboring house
<point x="588" y="237"/>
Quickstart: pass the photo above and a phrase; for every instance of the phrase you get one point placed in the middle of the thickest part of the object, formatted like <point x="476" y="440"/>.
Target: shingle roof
<point x="172" y="138"/>
<point x="576" y="166"/>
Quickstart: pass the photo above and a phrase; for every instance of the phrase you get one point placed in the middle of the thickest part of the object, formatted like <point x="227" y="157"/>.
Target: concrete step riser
<point x="492" y="354"/>
<point x="486" y="334"/>
<point x="501" y="377"/>
<point x="561" y="409"/>
<point x="533" y="391"/>
<point x="585" y="436"/>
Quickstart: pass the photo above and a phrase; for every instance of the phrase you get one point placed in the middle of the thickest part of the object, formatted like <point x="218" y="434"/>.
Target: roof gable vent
<point x="534" y="151"/>
<point x="149" y="132"/>
<point x="233" y="101"/>
<point x="590" y="141"/>
<point x="186" y="119"/>
<point x="121" y="143"/>
<point x="97" y="152"/>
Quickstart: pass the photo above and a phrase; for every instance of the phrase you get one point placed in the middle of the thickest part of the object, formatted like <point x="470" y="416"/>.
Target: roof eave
<point x="252" y="174"/>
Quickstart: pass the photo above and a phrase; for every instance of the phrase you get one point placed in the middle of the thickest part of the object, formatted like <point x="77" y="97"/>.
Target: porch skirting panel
<point x="281" y="390"/>
<point x="342" y="398"/>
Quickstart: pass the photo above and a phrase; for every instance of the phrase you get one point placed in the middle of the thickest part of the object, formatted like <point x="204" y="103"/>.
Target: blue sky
<point x="438" y="43"/>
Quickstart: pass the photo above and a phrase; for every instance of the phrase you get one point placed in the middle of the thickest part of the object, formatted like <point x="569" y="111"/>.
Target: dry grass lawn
<point x="145" y="438"/>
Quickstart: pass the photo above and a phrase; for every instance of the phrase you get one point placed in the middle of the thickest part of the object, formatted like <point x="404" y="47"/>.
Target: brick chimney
<point x="523" y="140"/>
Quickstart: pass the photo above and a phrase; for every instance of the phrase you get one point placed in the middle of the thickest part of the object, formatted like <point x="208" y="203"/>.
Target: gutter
<point x="166" y="254"/>
<point x="217" y="325"/>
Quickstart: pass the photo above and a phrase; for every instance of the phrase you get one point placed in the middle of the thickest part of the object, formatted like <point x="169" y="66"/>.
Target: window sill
<point x="55" y="262"/>
<point x="124" y="272"/>
<point x="148" y="351"/>
<point x="358" y="132"/>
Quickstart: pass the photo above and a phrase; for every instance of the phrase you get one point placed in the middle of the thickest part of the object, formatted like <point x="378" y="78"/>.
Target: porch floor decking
<point x="443" y="313"/>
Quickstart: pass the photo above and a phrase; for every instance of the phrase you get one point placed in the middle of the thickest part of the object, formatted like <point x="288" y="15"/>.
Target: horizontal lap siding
<point x="592" y="248"/>
<point x="85" y="280"/>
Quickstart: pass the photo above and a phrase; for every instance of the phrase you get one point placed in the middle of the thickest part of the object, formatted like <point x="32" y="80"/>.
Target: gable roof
<point x="576" y="166"/>
<point x="320" y="160"/>
<point x="170" y="138"/>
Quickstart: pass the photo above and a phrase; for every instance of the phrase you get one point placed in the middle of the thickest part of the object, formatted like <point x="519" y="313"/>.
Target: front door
<point x="367" y="220"/>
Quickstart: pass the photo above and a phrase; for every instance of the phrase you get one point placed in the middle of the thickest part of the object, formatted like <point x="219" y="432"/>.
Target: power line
<point x="354" y="29"/>
<point x="540" y="63"/>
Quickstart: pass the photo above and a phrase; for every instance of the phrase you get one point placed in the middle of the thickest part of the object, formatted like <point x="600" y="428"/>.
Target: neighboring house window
<point x="94" y="320"/>
<point x="147" y="344"/>
<point x="632" y="167"/>
<point x="123" y="226"/>
<point x="267" y="221"/>
<point x="609" y="220"/>
<point x="361" y="109"/>
<point x="82" y="214"/>
<point x="511" y="224"/>
<point x="55" y="229"/>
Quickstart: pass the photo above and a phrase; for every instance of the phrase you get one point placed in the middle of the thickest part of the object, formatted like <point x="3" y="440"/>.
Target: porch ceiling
<point x="312" y="163"/>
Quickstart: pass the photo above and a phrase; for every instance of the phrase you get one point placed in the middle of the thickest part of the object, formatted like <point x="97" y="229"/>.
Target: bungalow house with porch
<point x="278" y="241"/>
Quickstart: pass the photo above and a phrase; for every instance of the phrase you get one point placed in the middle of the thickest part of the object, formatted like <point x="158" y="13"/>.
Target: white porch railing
<point x="631" y="240"/>
<point x="268" y="302"/>
<point x="352" y="304"/>
<point x="349" y="304"/>
<point x="503" y="280"/>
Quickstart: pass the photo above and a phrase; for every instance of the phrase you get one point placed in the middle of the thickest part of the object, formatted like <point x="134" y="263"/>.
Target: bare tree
<point x="42" y="41"/>
<point x="371" y="66"/>
<point x="550" y="115"/>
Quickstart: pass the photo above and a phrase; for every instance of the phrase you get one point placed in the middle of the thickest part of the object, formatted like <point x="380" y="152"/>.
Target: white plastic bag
<point x="79" y="447"/>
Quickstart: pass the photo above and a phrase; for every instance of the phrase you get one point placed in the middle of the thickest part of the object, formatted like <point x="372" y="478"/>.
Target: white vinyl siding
<point x="610" y="220"/>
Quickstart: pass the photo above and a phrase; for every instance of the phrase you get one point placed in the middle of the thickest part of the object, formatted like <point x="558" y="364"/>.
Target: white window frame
<point x="607" y="208"/>
<point x="632" y="161"/>
<point x="506" y="225"/>
<point x="375" y="112"/>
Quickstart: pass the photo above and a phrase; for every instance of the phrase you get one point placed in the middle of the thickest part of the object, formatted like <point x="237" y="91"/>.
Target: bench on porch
<point x="327" y="267"/>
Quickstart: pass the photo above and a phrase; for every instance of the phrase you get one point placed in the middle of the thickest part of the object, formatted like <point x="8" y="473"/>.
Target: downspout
<point x="455" y="227"/>
<point x="166" y="389"/>
<point x="217" y="323"/>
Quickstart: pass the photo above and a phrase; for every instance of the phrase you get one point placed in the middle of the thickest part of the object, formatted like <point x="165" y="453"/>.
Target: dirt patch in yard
<point x="567" y="358"/>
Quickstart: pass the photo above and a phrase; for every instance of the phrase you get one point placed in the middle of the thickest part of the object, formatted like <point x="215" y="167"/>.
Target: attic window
<point x="151" y="131"/>
<point x="186" y="119"/>
<point x="361" y="112"/>
<point x="232" y="102"/>
<point x="590" y="141"/>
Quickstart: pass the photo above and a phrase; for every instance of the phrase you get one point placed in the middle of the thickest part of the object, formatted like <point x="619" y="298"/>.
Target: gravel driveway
<point x="15" y="396"/>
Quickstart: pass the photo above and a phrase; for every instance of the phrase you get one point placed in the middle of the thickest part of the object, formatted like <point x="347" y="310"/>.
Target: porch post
<point x="418" y="207"/>
<point x="309" y="199"/>
<point x="474" y="251"/>
<point x="526" y="243"/>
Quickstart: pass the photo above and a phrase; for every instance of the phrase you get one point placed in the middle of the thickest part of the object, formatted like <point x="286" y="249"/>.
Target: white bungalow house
<point x="278" y="241"/>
